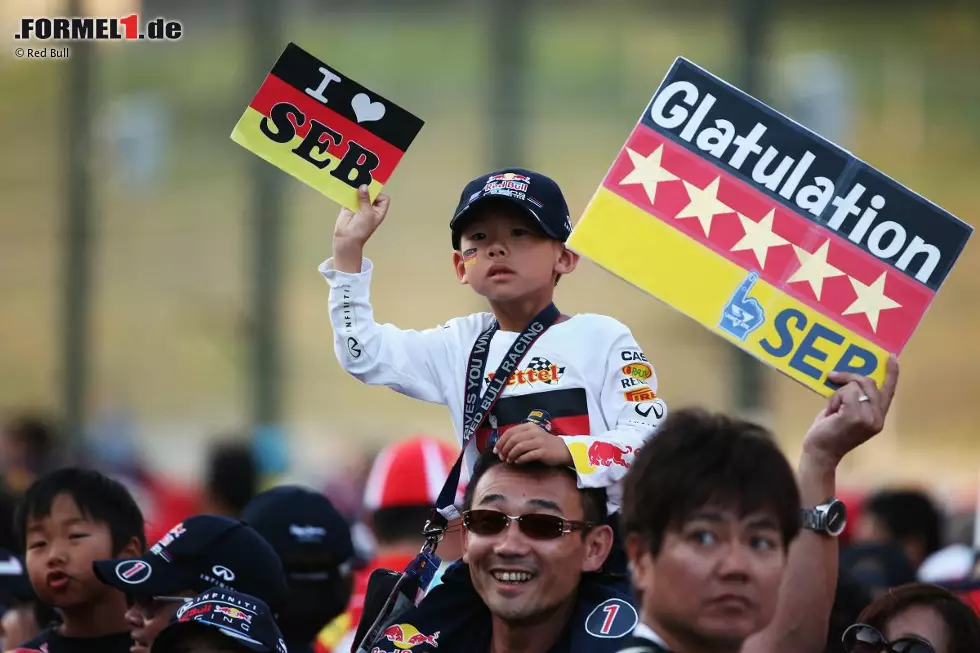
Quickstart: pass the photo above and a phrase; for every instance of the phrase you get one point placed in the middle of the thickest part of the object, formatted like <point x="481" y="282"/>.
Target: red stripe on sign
<point x="274" y="90"/>
<point x="683" y="176"/>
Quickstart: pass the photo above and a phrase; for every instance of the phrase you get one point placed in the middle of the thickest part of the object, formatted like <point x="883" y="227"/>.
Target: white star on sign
<point x="647" y="172"/>
<point x="814" y="268"/>
<point x="703" y="205"/>
<point x="871" y="300"/>
<point x="759" y="237"/>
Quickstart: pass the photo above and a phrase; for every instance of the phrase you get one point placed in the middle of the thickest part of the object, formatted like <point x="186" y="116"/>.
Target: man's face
<point x="519" y="578"/>
<point x="148" y="615"/>
<point x="60" y="550"/>
<point x="504" y="255"/>
<point x="716" y="577"/>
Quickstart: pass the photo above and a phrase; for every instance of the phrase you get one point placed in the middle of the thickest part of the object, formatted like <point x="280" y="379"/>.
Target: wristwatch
<point x="828" y="518"/>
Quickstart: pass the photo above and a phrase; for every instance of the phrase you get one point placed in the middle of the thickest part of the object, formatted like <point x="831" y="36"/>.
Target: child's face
<point x="504" y="256"/>
<point x="60" y="550"/>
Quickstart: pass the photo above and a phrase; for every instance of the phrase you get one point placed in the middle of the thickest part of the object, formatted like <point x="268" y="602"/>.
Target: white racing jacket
<point x="587" y="372"/>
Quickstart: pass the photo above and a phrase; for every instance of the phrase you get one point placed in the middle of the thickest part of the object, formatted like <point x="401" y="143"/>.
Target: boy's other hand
<point x="526" y="442"/>
<point x="353" y="230"/>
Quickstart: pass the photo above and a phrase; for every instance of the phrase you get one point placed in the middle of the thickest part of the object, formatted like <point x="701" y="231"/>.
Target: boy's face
<point x="60" y="550"/>
<point x="715" y="579"/>
<point x="504" y="255"/>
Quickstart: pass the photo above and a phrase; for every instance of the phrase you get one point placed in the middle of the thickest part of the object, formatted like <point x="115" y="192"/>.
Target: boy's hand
<point x="353" y="230"/>
<point x="526" y="442"/>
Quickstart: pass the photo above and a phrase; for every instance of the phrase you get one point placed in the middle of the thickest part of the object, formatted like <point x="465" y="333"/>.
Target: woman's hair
<point x="961" y="621"/>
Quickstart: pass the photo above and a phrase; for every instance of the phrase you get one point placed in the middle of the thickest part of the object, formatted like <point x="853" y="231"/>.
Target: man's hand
<point x="848" y="422"/>
<point x="353" y="230"/>
<point x="526" y="442"/>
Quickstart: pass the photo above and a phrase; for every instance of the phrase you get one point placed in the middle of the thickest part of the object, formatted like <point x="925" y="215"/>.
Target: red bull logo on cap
<point x="507" y="181"/>
<point x="510" y="176"/>
<point x="234" y="613"/>
<point x="406" y="636"/>
<point x="607" y="454"/>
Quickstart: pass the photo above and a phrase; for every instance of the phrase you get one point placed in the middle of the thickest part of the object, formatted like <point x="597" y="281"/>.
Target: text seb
<point x="356" y="159"/>
<point x="810" y="344"/>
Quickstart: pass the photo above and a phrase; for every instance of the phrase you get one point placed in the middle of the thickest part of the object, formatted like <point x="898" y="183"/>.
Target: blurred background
<point x="161" y="304"/>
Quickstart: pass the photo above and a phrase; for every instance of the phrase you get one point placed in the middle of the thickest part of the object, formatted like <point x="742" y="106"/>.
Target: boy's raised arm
<point x="406" y="361"/>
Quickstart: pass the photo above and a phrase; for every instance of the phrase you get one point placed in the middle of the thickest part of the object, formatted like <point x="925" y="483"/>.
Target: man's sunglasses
<point x="150" y="606"/>
<point x="862" y="638"/>
<point x="535" y="526"/>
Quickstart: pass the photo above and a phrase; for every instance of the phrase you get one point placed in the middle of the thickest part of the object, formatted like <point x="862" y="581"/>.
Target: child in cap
<point x="221" y="621"/>
<point x="314" y="543"/>
<point x="68" y="519"/>
<point x="201" y="553"/>
<point x="585" y="377"/>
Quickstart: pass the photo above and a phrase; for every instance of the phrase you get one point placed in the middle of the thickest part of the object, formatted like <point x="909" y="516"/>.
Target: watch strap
<point x="815" y="519"/>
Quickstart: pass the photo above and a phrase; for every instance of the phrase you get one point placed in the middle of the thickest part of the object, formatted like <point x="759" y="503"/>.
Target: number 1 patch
<point x="611" y="619"/>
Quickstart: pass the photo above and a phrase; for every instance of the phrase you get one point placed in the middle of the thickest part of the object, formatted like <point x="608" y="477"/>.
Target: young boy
<point x="69" y="518"/>
<point x="580" y="393"/>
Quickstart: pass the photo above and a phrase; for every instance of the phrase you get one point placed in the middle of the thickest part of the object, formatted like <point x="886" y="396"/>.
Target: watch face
<point x="836" y="518"/>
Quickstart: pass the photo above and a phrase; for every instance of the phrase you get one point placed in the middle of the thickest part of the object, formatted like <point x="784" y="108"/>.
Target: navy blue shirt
<point x="453" y="617"/>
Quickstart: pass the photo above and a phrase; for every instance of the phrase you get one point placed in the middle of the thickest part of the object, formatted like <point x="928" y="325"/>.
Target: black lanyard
<point x="477" y="407"/>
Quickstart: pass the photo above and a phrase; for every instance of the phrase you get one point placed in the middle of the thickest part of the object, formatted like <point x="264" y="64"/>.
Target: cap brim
<point x="459" y="220"/>
<point x="130" y="576"/>
<point x="164" y="641"/>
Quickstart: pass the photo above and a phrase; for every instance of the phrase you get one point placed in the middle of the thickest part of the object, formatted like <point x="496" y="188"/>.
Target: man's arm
<point x="806" y="596"/>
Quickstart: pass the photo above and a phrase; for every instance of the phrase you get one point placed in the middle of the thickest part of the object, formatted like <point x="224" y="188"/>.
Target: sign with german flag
<point x="766" y="233"/>
<point x="324" y="128"/>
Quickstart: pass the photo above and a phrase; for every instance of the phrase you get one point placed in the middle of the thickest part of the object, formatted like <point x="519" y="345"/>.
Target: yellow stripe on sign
<point x="665" y="263"/>
<point x="248" y="135"/>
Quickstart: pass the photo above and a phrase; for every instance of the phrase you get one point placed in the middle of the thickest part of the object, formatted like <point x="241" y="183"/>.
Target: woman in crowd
<point x="915" y="618"/>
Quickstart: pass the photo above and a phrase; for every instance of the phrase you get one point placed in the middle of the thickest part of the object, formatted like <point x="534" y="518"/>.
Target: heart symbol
<point x="365" y="109"/>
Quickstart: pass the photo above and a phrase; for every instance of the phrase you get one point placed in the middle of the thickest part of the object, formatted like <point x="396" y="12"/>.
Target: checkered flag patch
<point x="539" y="364"/>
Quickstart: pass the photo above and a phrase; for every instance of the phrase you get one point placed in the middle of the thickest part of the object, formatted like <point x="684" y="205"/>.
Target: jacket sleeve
<point x="631" y="411"/>
<point x="405" y="360"/>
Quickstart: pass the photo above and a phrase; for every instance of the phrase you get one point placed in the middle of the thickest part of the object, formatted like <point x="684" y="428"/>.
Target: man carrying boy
<point x="573" y="390"/>
<point x="68" y="519"/>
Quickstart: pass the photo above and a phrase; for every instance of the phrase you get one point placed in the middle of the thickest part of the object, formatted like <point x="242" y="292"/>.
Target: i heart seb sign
<point x="325" y="129"/>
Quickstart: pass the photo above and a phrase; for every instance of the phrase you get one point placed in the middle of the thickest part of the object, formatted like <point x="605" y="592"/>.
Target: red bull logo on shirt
<point x="607" y="454"/>
<point x="406" y="636"/>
